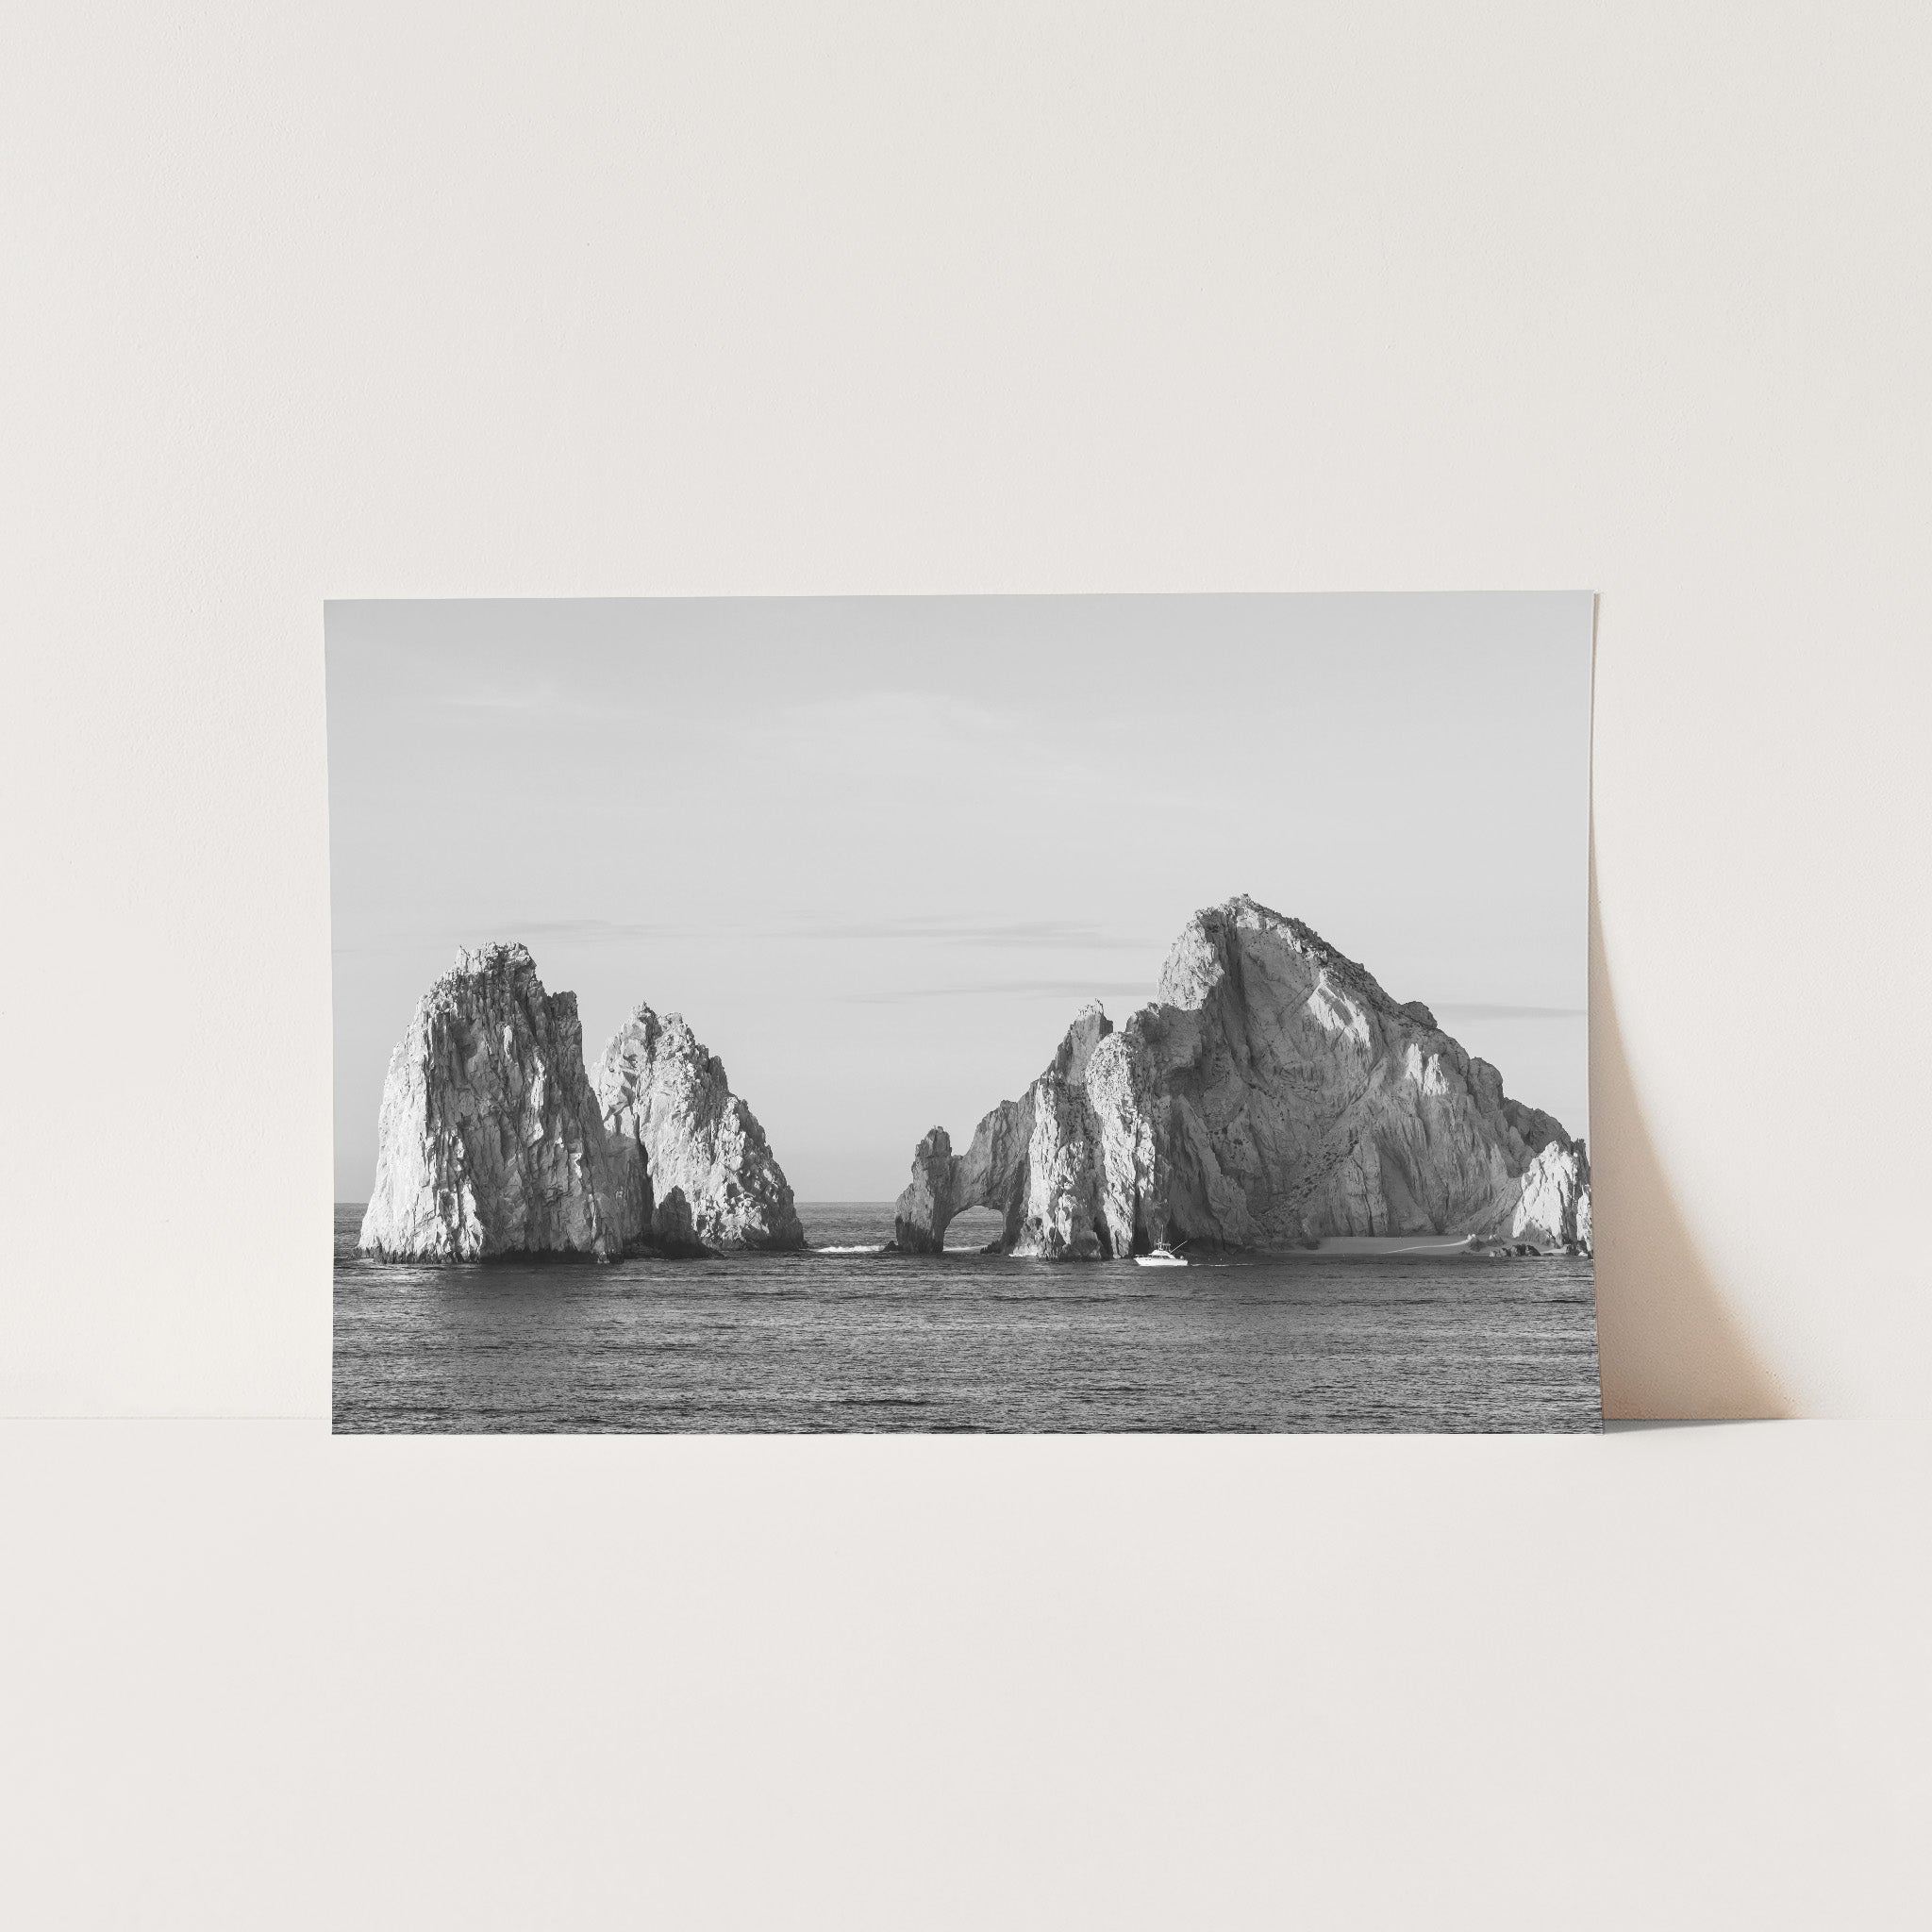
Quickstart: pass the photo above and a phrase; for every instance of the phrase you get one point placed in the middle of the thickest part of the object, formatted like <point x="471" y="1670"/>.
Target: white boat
<point x="1161" y="1256"/>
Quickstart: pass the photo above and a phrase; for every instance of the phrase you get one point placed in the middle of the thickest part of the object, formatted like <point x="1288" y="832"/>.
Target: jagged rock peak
<point x="1274" y="1093"/>
<point x="509" y="958"/>
<point x="663" y="1091"/>
<point x="1214" y="944"/>
<point x="1090" y="1026"/>
<point x="490" y="1139"/>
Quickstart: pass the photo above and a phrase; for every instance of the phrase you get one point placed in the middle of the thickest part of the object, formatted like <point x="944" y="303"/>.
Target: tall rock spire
<point x="490" y="1140"/>
<point x="664" y="1093"/>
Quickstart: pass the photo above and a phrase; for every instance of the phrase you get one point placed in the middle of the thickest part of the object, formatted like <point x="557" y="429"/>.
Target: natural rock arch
<point x="1031" y="1160"/>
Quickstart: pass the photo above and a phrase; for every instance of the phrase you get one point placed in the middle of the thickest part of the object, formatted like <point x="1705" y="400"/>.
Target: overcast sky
<point x="877" y="850"/>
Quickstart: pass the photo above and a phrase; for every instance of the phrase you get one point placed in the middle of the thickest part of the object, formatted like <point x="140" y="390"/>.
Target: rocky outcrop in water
<point x="494" y="1140"/>
<point x="663" y="1092"/>
<point x="490" y="1140"/>
<point x="1274" y="1095"/>
<point x="673" y="1234"/>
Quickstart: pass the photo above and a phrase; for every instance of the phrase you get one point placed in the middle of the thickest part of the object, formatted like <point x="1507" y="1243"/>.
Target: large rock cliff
<point x="1274" y="1095"/>
<point x="491" y="1139"/>
<point x="663" y="1092"/>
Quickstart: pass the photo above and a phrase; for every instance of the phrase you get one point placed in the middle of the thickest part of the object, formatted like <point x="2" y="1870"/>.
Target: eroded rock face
<point x="491" y="1139"/>
<point x="1553" y="1209"/>
<point x="672" y="1233"/>
<point x="662" y="1092"/>
<point x="1274" y="1095"/>
<point x="1033" y="1160"/>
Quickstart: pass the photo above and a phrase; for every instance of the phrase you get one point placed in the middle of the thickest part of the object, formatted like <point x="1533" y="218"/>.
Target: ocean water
<point x="827" y="1341"/>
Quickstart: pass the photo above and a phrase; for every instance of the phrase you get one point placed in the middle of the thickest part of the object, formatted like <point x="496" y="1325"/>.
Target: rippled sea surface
<point x="964" y="1341"/>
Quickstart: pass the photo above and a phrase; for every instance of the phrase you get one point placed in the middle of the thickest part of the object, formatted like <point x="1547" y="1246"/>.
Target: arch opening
<point x="972" y="1228"/>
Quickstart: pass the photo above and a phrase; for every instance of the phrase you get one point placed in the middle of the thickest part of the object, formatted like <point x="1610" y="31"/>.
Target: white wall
<point x="1675" y="1679"/>
<point x="334" y="302"/>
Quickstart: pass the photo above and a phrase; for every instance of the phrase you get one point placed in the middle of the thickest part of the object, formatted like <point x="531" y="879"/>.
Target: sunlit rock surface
<point x="663" y="1092"/>
<point x="491" y="1141"/>
<point x="1274" y="1095"/>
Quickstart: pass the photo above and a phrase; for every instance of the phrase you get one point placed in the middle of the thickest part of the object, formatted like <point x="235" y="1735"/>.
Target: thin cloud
<point x="537" y="703"/>
<point x="490" y="932"/>
<point x="1011" y="988"/>
<point x="1145" y="991"/>
<point x="1083" y="934"/>
<point x="1477" y="1009"/>
<point x="597" y="930"/>
<point x="1065" y="934"/>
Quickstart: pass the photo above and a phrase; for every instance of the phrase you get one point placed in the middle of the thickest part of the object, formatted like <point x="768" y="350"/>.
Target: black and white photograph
<point x="961" y="967"/>
<point x="1056" y="1014"/>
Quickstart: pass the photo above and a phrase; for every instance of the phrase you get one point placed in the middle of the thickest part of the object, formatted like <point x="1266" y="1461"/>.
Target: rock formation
<point x="672" y="1233"/>
<point x="491" y="1139"/>
<point x="1274" y="1095"/>
<point x="663" y="1092"/>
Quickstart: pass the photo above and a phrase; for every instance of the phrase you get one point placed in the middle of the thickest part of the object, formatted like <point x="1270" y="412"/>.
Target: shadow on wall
<point x="1670" y="1346"/>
